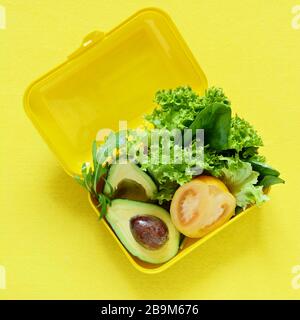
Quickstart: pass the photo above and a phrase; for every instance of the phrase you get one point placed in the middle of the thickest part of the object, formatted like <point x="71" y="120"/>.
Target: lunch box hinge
<point x="87" y="41"/>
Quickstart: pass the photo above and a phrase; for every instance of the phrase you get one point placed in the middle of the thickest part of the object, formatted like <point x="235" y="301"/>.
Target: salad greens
<point x="231" y="148"/>
<point x="242" y="135"/>
<point x="241" y="180"/>
<point x="179" y="107"/>
<point x="231" y="144"/>
<point x="91" y="176"/>
<point x="215" y="120"/>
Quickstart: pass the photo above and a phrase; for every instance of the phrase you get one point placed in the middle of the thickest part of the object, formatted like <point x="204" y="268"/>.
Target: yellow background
<point x="51" y="243"/>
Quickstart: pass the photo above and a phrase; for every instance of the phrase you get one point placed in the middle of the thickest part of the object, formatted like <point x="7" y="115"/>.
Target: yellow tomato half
<point x="201" y="206"/>
<point x="212" y="181"/>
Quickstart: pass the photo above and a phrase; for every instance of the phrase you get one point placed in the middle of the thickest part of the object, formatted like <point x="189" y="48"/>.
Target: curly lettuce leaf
<point x="169" y="176"/>
<point x="213" y="163"/>
<point x="250" y="195"/>
<point x="177" y="108"/>
<point x="241" y="180"/>
<point x="231" y="151"/>
<point x="242" y="135"/>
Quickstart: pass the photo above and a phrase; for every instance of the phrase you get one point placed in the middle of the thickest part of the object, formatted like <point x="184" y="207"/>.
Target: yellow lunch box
<point x="113" y="76"/>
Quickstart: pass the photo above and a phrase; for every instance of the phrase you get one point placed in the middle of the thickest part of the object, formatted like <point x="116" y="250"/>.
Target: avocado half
<point x="121" y="215"/>
<point x="130" y="182"/>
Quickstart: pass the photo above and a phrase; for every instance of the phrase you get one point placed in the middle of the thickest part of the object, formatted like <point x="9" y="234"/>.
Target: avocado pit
<point x="130" y="189"/>
<point x="149" y="231"/>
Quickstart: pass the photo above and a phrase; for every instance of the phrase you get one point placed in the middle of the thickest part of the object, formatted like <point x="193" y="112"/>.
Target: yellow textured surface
<point x="51" y="243"/>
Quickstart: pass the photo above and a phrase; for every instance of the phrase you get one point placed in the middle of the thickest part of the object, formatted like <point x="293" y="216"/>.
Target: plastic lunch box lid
<point x="112" y="76"/>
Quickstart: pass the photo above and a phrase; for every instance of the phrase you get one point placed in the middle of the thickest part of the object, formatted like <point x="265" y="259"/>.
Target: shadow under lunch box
<point x="113" y="76"/>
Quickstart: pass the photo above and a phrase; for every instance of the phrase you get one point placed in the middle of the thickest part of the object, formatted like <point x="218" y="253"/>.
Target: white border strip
<point x="2" y="278"/>
<point x="2" y="17"/>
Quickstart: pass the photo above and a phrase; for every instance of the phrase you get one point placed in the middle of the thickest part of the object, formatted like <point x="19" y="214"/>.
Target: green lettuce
<point x="241" y="180"/>
<point x="231" y="151"/>
<point x="215" y="121"/>
<point x="242" y="135"/>
<point x="268" y="176"/>
<point x="169" y="177"/>
<point x="238" y="176"/>
<point x="178" y="108"/>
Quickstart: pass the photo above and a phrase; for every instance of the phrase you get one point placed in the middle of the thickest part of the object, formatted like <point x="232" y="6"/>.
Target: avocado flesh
<point x="119" y="215"/>
<point x="130" y="182"/>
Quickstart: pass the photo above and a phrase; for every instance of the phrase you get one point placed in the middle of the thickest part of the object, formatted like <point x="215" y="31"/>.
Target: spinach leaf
<point x="215" y="119"/>
<point x="264" y="169"/>
<point x="267" y="181"/>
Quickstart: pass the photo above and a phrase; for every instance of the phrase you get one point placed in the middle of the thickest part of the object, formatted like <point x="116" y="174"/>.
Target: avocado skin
<point x="119" y="215"/>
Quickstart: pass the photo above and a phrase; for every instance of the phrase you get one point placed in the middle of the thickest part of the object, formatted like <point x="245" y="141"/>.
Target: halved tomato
<point x="212" y="181"/>
<point x="201" y="206"/>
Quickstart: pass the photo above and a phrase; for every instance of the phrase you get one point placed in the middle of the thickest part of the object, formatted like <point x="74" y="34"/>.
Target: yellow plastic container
<point x="112" y="76"/>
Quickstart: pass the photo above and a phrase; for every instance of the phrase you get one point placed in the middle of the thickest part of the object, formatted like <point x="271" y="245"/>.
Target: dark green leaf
<point x="215" y="120"/>
<point x="268" y="181"/>
<point x="108" y="201"/>
<point x="238" y="210"/>
<point x="248" y="152"/>
<point x="264" y="169"/>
